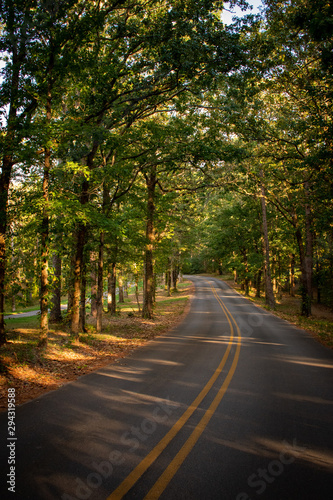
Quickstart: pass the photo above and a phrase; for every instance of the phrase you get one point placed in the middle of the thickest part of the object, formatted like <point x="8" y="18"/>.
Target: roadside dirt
<point x="32" y="371"/>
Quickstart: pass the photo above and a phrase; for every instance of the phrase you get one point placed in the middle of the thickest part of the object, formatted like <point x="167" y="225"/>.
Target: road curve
<point x="232" y="404"/>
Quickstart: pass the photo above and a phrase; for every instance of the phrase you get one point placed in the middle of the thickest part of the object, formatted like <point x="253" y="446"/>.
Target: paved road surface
<point x="27" y="314"/>
<point x="233" y="404"/>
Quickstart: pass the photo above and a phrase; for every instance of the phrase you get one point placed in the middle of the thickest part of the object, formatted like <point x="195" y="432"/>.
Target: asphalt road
<point x="27" y="314"/>
<point x="233" y="404"/>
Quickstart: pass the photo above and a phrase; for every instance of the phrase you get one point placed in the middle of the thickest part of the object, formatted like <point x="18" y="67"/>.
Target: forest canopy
<point x="142" y="140"/>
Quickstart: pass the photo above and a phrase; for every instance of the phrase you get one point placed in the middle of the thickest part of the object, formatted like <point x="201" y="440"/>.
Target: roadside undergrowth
<point x="32" y="370"/>
<point x="319" y="324"/>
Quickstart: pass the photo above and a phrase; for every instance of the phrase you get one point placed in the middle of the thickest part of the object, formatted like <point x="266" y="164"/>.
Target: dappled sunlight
<point x="130" y="397"/>
<point x="272" y="449"/>
<point x="310" y="455"/>
<point x="246" y="446"/>
<point x="66" y="355"/>
<point x="303" y="398"/>
<point x="27" y="374"/>
<point x="222" y="339"/>
<point x="161" y="361"/>
<point x="306" y="362"/>
<point x="253" y="340"/>
<point x="134" y="377"/>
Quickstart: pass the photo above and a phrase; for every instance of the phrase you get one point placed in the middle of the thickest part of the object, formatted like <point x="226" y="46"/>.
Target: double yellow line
<point x="175" y="464"/>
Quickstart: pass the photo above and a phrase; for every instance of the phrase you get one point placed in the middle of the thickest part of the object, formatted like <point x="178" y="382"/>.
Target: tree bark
<point x="308" y="244"/>
<point x="304" y="265"/>
<point x="175" y="272"/>
<point x="246" y="279"/>
<point x="6" y="171"/>
<point x="78" y="265"/>
<point x="99" y="301"/>
<point x="55" y="314"/>
<point x="83" y="289"/>
<point x="147" y="309"/>
<point x="305" y="295"/>
<point x="168" y="278"/>
<point x="93" y="285"/>
<point x="44" y="286"/>
<point x="137" y="292"/>
<point x="258" y="283"/>
<point x="112" y="285"/>
<point x="292" y="275"/>
<point x="269" y="295"/>
<point x="121" y="288"/>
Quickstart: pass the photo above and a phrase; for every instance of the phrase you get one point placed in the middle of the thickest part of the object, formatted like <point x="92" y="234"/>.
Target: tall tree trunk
<point x="7" y="165"/>
<point x="44" y="284"/>
<point x="55" y="314"/>
<point x="113" y="282"/>
<point x="78" y="266"/>
<point x="99" y="301"/>
<point x="308" y="243"/>
<point x="83" y="292"/>
<point x="246" y="279"/>
<point x="81" y="240"/>
<point x="258" y="283"/>
<point x="137" y="291"/>
<point x="305" y="295"/>
<point x="270" y="299"/>
<point x="147" y="310"/>
<point x="6" y="172"/>
<point x="44" y="288"/>
<point x="71" y="274"/>
<point x="168" y="278"/>
<point x="121" y="288"/>
<point x="175" y="272"/>
<point x="93" y="285"/>
<point x="109" y="289"/>
<point x="304" y="265"/>
<point x="292" y="275"/>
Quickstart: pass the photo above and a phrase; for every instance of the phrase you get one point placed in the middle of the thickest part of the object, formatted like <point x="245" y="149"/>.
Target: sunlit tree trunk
<point x="121" y="288"/>
<point x="270" y="299"/>
<point x="308" y="247"/>
<point x="112" y="288"/>
<point x="55" y="314"/>
<point x="78" y="265"/>
<point x="45" y="250"/>
<point x="137" y="292"/>
<point x="292" y="275"/>
<point x="93" y="285"/>
<point x="6" y="169"/>
<point x="83" y="289"/>
<point x="147" y="310"/>
<point x="99" y="301"/>
<point x="168" y="278"/>
<point x="78" y="261"/>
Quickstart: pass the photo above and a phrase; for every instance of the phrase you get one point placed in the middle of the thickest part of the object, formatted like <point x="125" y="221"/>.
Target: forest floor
<point x="319" y="324"/>
<point x="33" y="371"/>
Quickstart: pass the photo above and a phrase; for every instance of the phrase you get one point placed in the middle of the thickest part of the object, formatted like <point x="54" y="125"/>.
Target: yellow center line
<point x="160" y="485"/>
<point x="141" y="468"/>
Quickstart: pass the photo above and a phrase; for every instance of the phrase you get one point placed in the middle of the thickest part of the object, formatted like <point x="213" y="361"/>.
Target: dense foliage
<point x="142" y="139"/>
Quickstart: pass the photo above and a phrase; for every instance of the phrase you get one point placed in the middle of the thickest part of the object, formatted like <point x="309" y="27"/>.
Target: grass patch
<point x="33" y="370"/>
<point x="26" y="322"/>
